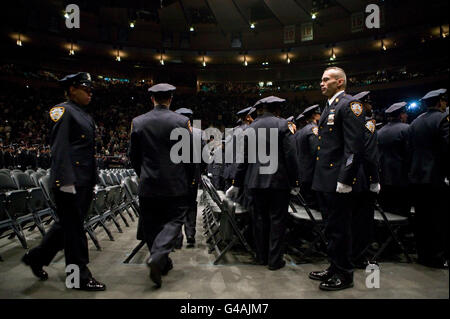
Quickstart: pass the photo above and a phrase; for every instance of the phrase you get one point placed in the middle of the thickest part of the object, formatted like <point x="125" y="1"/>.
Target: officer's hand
<point x="375" y="187"/>
<point x="446" y="181"/>
<point x="68" y="189"/>
<point x="295" y="191"/>
<point x="232" y="192"/>
<point x="210" y="175"/>
<point x="342" y="188"/>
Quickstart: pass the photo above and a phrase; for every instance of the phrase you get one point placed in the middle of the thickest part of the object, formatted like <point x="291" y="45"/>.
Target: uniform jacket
<point x="394" y="155"/>
<point x="429" y="146"/>
<point x="286" y="175"/>
<point x="307" y="142"/>
<point x="341" y="144"/>
<point x="72" y="141"/>
<point x="150" y="148"/>
<point x="368" y="172"/>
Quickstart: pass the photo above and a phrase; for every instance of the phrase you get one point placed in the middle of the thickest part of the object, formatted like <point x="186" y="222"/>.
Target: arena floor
<point x="195" y="277"/>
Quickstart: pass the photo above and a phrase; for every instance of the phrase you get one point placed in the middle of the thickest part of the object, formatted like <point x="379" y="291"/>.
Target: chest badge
<point x="315" y="130"/>
<point x="56" y="113"/>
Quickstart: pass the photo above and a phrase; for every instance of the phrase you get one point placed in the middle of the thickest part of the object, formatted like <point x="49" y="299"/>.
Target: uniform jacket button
<point x="331" y="165"/>
<point x="317" y="158"/>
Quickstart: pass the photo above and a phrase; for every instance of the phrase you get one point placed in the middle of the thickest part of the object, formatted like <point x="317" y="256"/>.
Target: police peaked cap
<point x="363" y="96"/>
<point x="311" y="109"/>
<point x="433" y="94"/>
<point x="268" y="100"/>
<point x="184" y="111"/>
<point x="396" y="108"/>
<point x="80" y="78"/>
<point x="162" y="88"/>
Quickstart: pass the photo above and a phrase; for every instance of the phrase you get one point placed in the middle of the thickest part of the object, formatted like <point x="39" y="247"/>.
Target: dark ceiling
<point x="221" y="28"/>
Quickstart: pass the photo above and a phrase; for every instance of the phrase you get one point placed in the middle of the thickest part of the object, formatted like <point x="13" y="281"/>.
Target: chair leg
<point x="134" y="252"/>
<point x="93" y="237"/>
<point x="115" y="223"/>
<point x="108" y="232"/>
<point x="19" y="233"/>
<point x="123" y="218"/>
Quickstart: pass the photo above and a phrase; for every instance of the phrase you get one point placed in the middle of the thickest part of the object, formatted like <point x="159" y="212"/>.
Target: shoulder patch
<point x="56" y="113"/>
<point x="292" y="127"/>
<point x="356" y="108"/>
<point x="189" y="126"/>
<point x="370" y="125"/>
<point x="315" y="130"/>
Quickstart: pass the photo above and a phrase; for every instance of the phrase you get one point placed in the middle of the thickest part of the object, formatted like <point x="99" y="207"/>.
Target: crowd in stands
<point x="25" y="124"/>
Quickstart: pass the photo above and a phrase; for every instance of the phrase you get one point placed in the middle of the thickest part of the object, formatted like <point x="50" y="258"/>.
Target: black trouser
<point x="68" y="233"/>
<point x="337" y="212"/>
<point x="395" y="199"/>
<point x="362" y="224"/>
<point x="309" y="195"/>
<point x="270" y="211"/>
<point x="162" y="218"/>
<point x="431" y="222"/>
<point x="190" y="222"/>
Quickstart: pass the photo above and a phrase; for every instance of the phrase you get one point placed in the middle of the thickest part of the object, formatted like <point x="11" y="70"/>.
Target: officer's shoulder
<point x="179" y="117"/>
<point x="60" y="111"/>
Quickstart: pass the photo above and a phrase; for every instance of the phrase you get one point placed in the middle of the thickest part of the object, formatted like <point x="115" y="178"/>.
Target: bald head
<point x="334" y="80"/>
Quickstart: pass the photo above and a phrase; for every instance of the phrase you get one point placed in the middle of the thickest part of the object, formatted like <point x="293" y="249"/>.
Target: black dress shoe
<point x="36" y="269"/>
<point x="92" y="285"/>
<point x="155" y="273"/>
<point x="277" y="266"/>
<point x="168" y="268"/>
<point x="322" y="275"/>
<point x="335" y="283"/>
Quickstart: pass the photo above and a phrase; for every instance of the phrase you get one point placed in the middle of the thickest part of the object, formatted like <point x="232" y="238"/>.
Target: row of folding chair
<point x="113" y="198"/>
<point x="303" y="216"/>
<point x="23" y="205"/>
<point x="219" y="221"/>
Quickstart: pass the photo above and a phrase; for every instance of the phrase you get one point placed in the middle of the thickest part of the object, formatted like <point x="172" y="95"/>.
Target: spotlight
<point x="131" y="25"/>
<point x="413" y="106"/>
<point x="71" y="52"/>
<point x="19" y="42"/>
<point x="204" y="63"/>
<point x="314" y="16"/>
<point x="252" y="26"/>
<point x="66" y="15"/>
<point x="192" y="29"/>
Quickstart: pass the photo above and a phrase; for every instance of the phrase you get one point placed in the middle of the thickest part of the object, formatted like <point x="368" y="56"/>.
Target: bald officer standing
<point x="164" y="185"/>
<point x="340" y="153"/>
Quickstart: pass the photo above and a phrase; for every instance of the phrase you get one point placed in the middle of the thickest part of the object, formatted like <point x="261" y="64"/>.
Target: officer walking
<point x="394" y="161"/>
<point x="368" y="185"/>
<point x="429" y="149"/>
<point x="307" y="141"/>
<point x="340" y="152"/>
<point x="164" y="183"/>
<point x="270" y="189"/>
<point x="73" y="176"/>
<point x="191" y="215"/>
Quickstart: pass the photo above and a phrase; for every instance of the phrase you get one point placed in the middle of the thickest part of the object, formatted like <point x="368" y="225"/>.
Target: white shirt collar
<point x="330" y="101"/>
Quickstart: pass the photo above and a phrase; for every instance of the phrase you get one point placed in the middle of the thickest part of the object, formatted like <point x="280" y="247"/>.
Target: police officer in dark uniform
<point x="394" y="161"/>
<point x="429" y="149"/>
<point x="300" y="121"/>
<point x="270" y="189"/>
<point x="368" y="185"/>
<point x="340" y="152"/>
<point x="73" y="176"/>
<point x="307" y="142"/>
<point x="164" y="182"/>
<point x="191" y="215"/>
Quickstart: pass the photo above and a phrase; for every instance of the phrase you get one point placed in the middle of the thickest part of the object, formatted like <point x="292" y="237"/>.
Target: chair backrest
<point x="16" y="171"/>
<point x="6" y="183"/>
<point x="29" y="171"/>
<point x="5" y="171"/>
<point x="44" y="184"/>
<point x="23" y="180"/>
<point x="3" y="215"/>
<point x="35" y="177"/>
<point x="130" y="186"/>
<point x="102" y="178"/>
